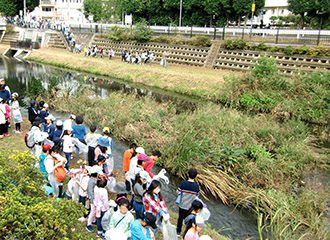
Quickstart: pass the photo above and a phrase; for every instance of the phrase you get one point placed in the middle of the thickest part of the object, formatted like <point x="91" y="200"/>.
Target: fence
<point x="276" y="36"/>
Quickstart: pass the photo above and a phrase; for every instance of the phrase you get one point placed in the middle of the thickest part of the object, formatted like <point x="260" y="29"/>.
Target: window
<point x="46" y="9"/>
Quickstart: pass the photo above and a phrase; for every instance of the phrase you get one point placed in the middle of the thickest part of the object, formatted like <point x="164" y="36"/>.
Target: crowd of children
<point x="137" y="58"/>
<point x="9" y="109"/>
<point x="54" y="143"/>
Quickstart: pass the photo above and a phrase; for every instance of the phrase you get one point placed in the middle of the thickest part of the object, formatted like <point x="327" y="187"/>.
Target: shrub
<point x="9" y="29"/>
<point x="262" y="47"/>
<point x="117" y="33"/>
<point x="300" y="50"/>
<point x="162" y="39"/>
<point x="265" y="67"/>
<point x="275" y="49"/>
<point x="141" y="32"/>
<point x="318" y="51"/>
<point x="200" y="41"/>
<point x="25" y="210"/>
<point x="235" y="44"/>
<point x="288" y="50"/>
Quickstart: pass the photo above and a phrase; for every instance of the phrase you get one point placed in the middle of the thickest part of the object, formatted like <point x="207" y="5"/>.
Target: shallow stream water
<point x="231" y="222"/>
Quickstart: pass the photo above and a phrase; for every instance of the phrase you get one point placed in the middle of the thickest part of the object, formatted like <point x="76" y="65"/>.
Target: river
<point x="227" y="220"/>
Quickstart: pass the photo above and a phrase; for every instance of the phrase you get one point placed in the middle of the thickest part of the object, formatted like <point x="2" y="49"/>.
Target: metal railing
<point x="275" y="36"/>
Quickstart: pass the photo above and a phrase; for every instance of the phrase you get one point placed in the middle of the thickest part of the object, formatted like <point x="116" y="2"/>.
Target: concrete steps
<point x="56" y="41"/>
<point x="212" y="54"/>
<point x="10" y="37"/>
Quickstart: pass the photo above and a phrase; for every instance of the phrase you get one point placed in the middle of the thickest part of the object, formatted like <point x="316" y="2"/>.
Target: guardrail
<point x="277" y="36"/>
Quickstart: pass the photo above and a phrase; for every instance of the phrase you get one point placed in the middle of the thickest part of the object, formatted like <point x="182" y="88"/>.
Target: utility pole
<point x="180" y="20"/>
<point x="24" y="10"/>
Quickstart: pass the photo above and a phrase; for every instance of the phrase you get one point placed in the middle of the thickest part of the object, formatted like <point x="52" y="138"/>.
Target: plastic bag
<point x="161" y="175"/>
<point x="82" y="147"/>
<point x="111" y="184"/>
<point x="105" y="222"/>
<point x="169" y="231"/>
<point x="17" y="116"/>
<point x="47" y="141"/>
<point x="115" y="234"/>
<point x="205" y="214"/>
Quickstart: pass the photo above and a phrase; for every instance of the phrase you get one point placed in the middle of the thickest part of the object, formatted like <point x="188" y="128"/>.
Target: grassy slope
<point x="178" y="78"/>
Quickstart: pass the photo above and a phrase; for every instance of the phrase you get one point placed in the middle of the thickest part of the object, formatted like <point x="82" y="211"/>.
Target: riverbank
<point x="193" y="81"/>
<point x="262" y="90"/>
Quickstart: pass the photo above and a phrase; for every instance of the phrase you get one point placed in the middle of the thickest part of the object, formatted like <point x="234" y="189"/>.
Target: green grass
<point x="254" y="153"/>
<point x="241" y="157"/>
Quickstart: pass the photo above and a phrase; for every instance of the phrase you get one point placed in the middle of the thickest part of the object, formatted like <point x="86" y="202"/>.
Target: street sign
<point x="253" y="7"/>
<point x="128" y="19"/>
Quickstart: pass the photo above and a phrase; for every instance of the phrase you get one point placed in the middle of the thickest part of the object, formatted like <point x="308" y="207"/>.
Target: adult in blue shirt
<point x="4" y="94"/>
<point x="79" y="132"/>
<point x="148" y="220"/>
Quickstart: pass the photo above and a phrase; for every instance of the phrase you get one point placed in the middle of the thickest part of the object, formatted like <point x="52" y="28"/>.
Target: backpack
<point x="29" y="138"/>
<point x="59" y="172"/>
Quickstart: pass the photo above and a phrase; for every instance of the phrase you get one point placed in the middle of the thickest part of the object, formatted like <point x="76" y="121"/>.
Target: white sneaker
<point x="82" y="219"/>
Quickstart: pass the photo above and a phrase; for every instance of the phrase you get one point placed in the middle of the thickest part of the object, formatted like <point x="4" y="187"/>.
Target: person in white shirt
<point x="38" y="137"/>
<point x="67" y="145"/>
<point x="50" y="168"/>
<point x="2" y="118"/>
<point x="130" y="175"/>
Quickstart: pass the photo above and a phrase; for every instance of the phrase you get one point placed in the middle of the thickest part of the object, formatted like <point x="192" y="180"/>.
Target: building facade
<point x="275" y="8"/>
<point x="60" y="11"/>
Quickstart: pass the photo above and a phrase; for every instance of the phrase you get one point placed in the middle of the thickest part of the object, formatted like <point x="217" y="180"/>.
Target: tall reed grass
<point x="251" y="160"/>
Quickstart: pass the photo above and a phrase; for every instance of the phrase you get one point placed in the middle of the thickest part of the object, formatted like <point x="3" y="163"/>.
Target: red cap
<point x="46" y="147"/>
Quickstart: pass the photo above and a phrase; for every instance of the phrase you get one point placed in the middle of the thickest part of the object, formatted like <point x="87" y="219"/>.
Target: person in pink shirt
<point x="101" y="202"/>
<point x="7" y="116"/>
<point x="150" y="163"/>
<point x="196" y="227"/>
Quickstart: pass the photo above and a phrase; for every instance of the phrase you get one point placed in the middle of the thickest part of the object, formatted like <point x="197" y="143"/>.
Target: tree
<point x="312" y="11"/>
<point x="109" y="13"/>
<point x="93" y="7"/>
<point x="30" y="4"/>
<point x="300" y="7"/>
<point x="8" y="7"/>
<point x="243" y="8"/>
<point x="12" y="7"/>
<point x="194" y="12"/>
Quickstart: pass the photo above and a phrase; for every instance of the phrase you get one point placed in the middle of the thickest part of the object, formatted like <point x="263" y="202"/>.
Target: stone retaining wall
<point x="245" y="60"/>
<point x="190" y="55"/>
<point x="221" y="58"/>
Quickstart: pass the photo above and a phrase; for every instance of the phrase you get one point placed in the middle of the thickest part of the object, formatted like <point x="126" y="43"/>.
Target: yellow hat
<point x="106" y="129"/>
